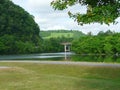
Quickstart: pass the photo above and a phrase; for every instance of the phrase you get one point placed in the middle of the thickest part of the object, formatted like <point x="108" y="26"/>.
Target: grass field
<point x="56" y="35"/>
<point x="36" y="76"/>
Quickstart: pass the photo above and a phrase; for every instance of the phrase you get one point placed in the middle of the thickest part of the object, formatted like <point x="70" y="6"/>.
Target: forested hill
<point x="61" y="33"/>
<point x="18" y="31"/>
<point x="52" y="39"/>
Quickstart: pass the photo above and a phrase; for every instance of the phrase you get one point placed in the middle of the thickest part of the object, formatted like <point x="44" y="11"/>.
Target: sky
<point x="49" y="19"/>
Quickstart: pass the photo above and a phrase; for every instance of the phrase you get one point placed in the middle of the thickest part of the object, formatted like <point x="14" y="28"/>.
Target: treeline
<point x="53" y="39"/>
<point x="18" y="31"/>
<point x="103" y="43"/>
<point x="54" y="44"/>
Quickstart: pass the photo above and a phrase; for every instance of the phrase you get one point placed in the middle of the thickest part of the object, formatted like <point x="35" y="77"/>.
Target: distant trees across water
<point x="103" y="43"/>
<point x="52" y="39"/>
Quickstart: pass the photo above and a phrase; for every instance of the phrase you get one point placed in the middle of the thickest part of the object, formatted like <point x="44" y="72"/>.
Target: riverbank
<point x="98" y="64"/>
<point x="44" y="75"/>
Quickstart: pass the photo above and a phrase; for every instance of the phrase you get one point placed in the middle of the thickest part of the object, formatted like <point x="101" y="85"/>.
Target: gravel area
<point x="68" y="63"/>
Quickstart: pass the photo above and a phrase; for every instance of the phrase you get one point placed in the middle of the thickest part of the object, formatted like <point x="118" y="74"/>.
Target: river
<point x="61" y="56"/>
<point x="41" y="56"/>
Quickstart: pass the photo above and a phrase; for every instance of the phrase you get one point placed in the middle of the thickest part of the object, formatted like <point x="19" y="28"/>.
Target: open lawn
<point x="56" y="35"/>
<point x="38" y="76"/>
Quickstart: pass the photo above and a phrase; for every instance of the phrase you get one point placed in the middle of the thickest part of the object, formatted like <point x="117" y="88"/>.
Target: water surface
<point x="69" y="56"/>
<point x="41" y="56"/>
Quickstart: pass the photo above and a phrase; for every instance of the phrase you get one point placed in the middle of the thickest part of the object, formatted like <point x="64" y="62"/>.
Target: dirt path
<point x="4" y="67"/>
<point x="100" y="64"/>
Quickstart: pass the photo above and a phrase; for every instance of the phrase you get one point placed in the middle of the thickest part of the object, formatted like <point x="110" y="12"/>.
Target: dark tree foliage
<point x="100" y="11"/>
<point x="18" y="31"/>
<point x="53" y="45"/>
<point x="104" y="43"/>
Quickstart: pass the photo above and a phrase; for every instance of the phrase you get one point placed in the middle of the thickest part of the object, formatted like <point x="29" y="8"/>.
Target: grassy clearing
<point x="56" y="35"/>
<point x="33" y="76"/>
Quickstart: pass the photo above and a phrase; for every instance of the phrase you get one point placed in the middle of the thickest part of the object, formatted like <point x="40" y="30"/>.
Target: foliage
<point x="103" y="43"/>
<point x="52" y="45"/>
<point x="100" y="11"/>
<point x="55" y="44"/>
<point x="52" y="39"/>
<point x="18" y="31"/>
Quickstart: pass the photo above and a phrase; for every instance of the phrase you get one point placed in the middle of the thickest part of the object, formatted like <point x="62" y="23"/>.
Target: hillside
<point x="61" y="33"/>
<point x="18" y="31"/>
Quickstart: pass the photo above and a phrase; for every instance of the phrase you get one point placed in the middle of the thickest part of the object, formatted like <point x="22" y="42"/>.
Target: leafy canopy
<point x="100" y="11"/>
<point x="19" y="33"/>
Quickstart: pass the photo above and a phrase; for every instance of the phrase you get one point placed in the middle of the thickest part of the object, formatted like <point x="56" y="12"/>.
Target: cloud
<point x="37" y="3"/>
<point x="40" y="19"/>
<point x="56" y="27"/>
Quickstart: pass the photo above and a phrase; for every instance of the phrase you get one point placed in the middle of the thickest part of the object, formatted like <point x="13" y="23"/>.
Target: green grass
<point x="56" y="35"/>
<point x="33" y="76"/>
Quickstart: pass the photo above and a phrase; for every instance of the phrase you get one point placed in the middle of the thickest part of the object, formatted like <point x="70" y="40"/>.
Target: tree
<point x="100" y="11"/>
<point x="19" y="33"/>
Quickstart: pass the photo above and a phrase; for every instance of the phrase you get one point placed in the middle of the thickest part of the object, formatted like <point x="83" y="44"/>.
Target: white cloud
<point x="56" y="27"/>
<point x="37" y="3"/>
<point x="77" y="8"/>
<point x="40" y="19"/>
